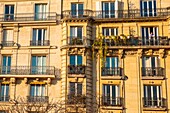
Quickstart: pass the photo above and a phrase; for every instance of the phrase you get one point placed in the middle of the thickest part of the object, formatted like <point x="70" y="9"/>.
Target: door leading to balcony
<point x="108" y="9"/>
<point x="9" y="12"/>
<point x="6" y="65"/>
<point x="152" y="96"/>
<point x="4" y="92"/>
<point x="38" y="65"/>
<point x="111" y="95"/>
<point x="7" y="38"/>
<point x="39" y="37"/>
<point x="77" y="9"/>
<point x="150" y="36"/>
<point x="40" y="11"/>
<point x="148" y="8"/>
<point x="76" y="37"/>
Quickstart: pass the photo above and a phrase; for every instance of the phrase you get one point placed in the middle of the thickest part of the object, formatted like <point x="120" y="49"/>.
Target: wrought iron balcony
<point x="4" y="98"/>
<point x="154" y="102"/>
<point x="76" y="69"/>
<point x="136" y="41"/>
<point x="7" y="43"/>
<point x="153" y="71"/>
<point x="39" y="43"/>
<point x="37" y="99"/>
<point x="77" y="13"/>
<point x="17" y="17"/>
<point x="75" y="40"/>
<point x="27" y="70"/>
<point x="111" y="71"/>
<point x="112" y="101"/>
<point x="76" y="99"/>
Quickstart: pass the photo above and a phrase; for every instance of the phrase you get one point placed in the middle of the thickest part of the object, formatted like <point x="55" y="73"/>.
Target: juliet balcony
<point x="112" y="101"/>
<point x="7" y="43"/>
<point x="154" y="103"/>
<point x="120" y="14"/>
<point x="28" y="71"/>
<point x="76" y="70"/>
<point x="4" y="98"/>
<point x="76" y="99"/>
<point x="39" y="43"/>
<point x="18" y="17"/>
<point x="36" y="99"/>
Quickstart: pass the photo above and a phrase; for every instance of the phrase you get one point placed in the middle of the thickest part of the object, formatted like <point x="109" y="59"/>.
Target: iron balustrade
<point x="154" y="102"/>
<point x="36" y="99"/>
<point x="7" y="43"/>
<point x="39" y="43"/>
<point x="76" y="99"/>
<point x="43" y="16"/>
<point x="112" y="101"/>
<point x="76" y="40"/>
<point x="153" y="71"/>
<point x="136" y="41"/>
<point x="27" y="70"/>
<point x="77" y="13"/>
<point x="4" y="98"/>
<point x="76" y="69"/>
<point x="111" y="71"/>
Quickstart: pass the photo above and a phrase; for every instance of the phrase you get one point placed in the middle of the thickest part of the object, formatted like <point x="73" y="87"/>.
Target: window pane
<point x="79" y="58"/>
<point x="72" y="60"/>
<point x="79" y="88"/>
<point x="72" y="88"/>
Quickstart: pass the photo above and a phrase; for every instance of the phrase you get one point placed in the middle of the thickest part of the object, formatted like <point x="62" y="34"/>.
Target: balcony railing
<point x="44" y="16"/>
<point x="78" y="13"/>
<point x="4" y="98"/>
<point x="112" y="101"/>
<point x="154" y="102"/>
<point x="111" y="71"/>
<point x="36" y="99"/>
<point x="75" y="40"/>
<point x="153" y="71"/>
<point x="7" y="43"/>
<point x="27" y="70"/>
<point x="76" y="69"/>
<point x="136" y="41"/>
<point x="76" y="99"/>
<point x="39" y="43"/>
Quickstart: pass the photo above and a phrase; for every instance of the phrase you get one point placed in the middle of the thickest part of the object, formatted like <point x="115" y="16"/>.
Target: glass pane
<point x="112" y="9"/>
<point x="72" y="60"/>
<point x="150" y="8"/>
<point x="79" y="88"/>
<point x="72" y="88"/>
<point x="7" y="89"/>
<point x="79" y="60"/>
<point x="145" y="8"/>
<point x="79" y="32"/>
<point x="32" y="90"/>
<point x="80" y="9"/>
<point x="73" y="9"/>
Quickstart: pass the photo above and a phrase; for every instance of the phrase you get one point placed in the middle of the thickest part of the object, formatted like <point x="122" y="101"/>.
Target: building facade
<point x="97" y="56"/>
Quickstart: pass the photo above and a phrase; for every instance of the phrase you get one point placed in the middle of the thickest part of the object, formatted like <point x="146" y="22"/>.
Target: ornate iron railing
<point x="112" y="101"/>
<point x="44" y="16"/>
<point x="76" y="40"/>
<point x="77" y="13"/>
<point x="76" y="69"/>
<point x="153" y="71"/>
<point x="111" y="71"/>
<point x="39" y="43"/>
<point x="4" y="98"/>
<point x="7" y="43"/>
<point x="76" y="99"/>
<point x="154" y="102"/>
<point x="36" y="99"/>
<point x="28" y="70"/>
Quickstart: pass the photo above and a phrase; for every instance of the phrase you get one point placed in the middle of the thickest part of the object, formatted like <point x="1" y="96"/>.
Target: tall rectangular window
<point x="152" y="95"/>
<point x="75" y="89"/>
<point x="9" y="12"/>
<point x="39" y="37"/>
<point x="4" y="92"/>
<point x="108" y="9"/>
<point x="7" y="38"/>
<point x="111" y="95"/>
<point x="38" y="65"/>
<point x="110" y="31"/>
<point x="148" y="8"/>
<point x="76" y="35"/>
<point x="150" y="61"/>
<point x="37" y="90"/>
<point x="150" y="36"/>
<point x="6" y="64"/>
<point x="76" y="60"/>
<point x="77" y="9"/>
<point x="40" y="11"/>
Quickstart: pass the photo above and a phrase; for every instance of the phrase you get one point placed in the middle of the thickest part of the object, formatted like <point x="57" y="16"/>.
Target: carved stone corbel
<point x="161" y="53"/>
<point x="12" y="80"/>
<point x="140" y="52"/>
<point x="48" y="81"/>
<point x="25" y="80"/>
<point x="121" y="53"/>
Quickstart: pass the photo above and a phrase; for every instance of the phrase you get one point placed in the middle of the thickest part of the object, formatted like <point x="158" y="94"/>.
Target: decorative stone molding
<point x="112" y="52"/>
<point x="161" y="53"/>
<point x="121" y="53"/>
<point x="149" y="52"/>
<point x="130" y="52"/>
<point x="48" y="80"/>
<point x="25" y="80"/>
<point x="12" y="80"/>
<point x="140" y="52"/>
<point x="76" y="51"/>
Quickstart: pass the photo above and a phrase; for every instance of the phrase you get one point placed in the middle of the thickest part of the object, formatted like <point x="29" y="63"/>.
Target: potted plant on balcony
<point x="123" y="39"/>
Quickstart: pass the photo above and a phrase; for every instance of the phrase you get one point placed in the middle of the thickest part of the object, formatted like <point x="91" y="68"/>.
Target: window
<point x="4" y="92"/>
<point x="148" y="8"/>
<point x="76" y="9"/>
<point x="40" y="11"/>
<point x="108" y="9"/>
<point x="39" y="37"/>
<point x="111" y="95"/>
<point x="75" y="88"/>
<point x="7" y="38"/>
<point x="37" y="93"/>
<point x="38" y="64"/>
<point x="6" y="65"/>
<point x="110" y="31"/>
<point x="75" y="60"/>
<point x="147" y="39"/>
<point x="76" y="35"/>
<point x="152" y="95"/>
<point x="9" y="12"/>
